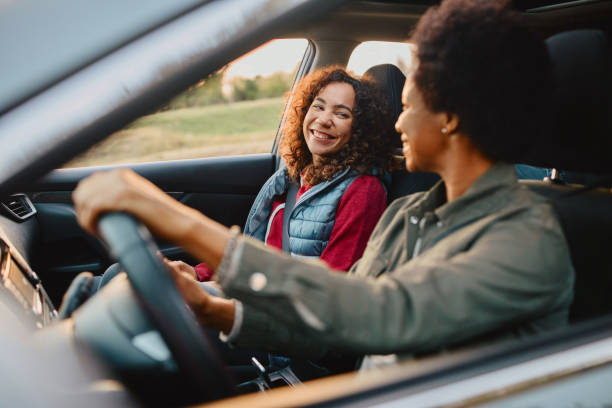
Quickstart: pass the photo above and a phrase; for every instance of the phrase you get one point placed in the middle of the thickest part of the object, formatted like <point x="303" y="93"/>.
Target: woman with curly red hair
<point x="336" y="147"/>
<point x="367" y="149"/>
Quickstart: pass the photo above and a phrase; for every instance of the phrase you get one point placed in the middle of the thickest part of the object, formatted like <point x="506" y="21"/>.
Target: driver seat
<point x="580" y="141"/>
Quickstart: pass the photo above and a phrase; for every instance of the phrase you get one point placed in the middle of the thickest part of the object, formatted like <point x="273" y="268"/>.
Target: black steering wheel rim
<point x="132" y="245"/>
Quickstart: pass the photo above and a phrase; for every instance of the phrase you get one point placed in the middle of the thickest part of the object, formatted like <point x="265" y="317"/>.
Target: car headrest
<point x="579" y="137"/>
<point x="391" y="79"/>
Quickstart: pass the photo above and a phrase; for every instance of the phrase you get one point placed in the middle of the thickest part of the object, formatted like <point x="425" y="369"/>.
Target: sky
<point x="372" y="53"/>
<point x="284" y="54"/>
<point x="274" y="56"/>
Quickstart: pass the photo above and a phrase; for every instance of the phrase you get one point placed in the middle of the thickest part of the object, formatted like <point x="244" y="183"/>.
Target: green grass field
<point x="215" y="130"/>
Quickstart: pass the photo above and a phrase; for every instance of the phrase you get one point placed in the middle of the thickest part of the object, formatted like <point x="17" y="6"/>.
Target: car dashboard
<point x="20" y="284"/>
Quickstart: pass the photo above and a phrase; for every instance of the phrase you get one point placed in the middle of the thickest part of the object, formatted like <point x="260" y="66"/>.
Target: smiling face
<point x="328" y="122"/>
<point x="423" y="143"/>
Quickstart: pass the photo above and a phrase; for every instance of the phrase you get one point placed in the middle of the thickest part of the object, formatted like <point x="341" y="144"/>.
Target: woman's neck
<point x="462" y="169"/>
<point x="317" y="160"/>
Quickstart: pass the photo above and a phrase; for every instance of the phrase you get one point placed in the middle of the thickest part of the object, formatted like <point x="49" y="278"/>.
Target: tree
<point x="245" y="89"/>
<point x="206" y="92"/>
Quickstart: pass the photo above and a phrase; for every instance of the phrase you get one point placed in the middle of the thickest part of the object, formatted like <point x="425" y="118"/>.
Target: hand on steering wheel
<point x="132" y="245"/>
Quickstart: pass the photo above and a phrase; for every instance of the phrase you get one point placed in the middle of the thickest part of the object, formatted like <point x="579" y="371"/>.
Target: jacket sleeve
<point x="515" y="271"/>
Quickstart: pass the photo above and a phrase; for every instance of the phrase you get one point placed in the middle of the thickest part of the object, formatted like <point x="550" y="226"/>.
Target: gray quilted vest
<point x="313" y="215"/>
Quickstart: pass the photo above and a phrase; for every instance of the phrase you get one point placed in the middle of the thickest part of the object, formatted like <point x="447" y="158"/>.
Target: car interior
<point x="43" y="248"/>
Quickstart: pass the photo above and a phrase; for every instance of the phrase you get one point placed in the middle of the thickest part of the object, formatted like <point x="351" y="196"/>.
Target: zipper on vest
<point x="338" y="179"/>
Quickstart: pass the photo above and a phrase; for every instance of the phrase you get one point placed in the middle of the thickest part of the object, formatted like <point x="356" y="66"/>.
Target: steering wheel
<point x="131" y="244"/>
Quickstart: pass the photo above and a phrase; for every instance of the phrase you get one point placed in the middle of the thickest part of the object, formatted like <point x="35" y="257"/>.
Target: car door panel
<point x="222" y="188"/>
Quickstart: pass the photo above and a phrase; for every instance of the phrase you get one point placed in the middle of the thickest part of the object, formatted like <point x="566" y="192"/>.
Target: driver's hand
<point x="189" y="288"/>
<point x="181" y="267"/>
<point x="125" y="191"/>
<point x="211" y="311"/>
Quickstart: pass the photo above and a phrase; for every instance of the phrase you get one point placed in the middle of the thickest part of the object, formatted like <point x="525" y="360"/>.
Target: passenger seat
<point x="403" y="182"/>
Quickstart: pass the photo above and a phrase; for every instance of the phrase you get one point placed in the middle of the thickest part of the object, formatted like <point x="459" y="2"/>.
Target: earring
<point x="444" y="130"/>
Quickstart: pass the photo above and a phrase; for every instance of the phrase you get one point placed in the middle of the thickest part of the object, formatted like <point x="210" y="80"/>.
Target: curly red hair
<point x="372" y="130"/>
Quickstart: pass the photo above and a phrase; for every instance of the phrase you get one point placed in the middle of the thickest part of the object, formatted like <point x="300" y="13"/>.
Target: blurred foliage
<point x="210" y="90"/>
<point x="277" y="84"/>
<point x="245" y="89"/>
<point x="206" y="92"/>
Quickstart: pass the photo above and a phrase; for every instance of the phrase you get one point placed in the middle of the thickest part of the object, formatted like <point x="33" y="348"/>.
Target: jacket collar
<point x="338" y="177"/>
<point x="484" y="196"/>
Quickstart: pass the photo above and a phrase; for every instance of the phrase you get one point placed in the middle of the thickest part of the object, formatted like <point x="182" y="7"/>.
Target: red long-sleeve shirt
<point x="358" y="212"/>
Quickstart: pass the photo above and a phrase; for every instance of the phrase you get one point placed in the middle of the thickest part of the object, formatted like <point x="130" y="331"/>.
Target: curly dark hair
<point x="372" y="129"/>
<point x="478" y="61"/>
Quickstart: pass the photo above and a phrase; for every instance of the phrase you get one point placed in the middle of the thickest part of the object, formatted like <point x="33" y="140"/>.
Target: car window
<point x="370" y="53"/>
<point x="235" y="110"/>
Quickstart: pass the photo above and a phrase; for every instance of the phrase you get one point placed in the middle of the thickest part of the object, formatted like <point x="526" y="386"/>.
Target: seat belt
<point x="289" y="204"/>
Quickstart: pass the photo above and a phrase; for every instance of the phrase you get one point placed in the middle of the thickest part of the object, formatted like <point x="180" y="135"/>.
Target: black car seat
<point x="391" y="79"/>
<point x="580" y="141"/>
<point x="403" y="182"/>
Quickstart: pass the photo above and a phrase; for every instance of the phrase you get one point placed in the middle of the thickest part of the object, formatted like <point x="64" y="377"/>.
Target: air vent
<point x="19" y="206"/>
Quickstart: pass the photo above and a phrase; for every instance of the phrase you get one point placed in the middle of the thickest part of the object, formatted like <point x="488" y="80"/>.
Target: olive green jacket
<point x="491" y="264"/>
